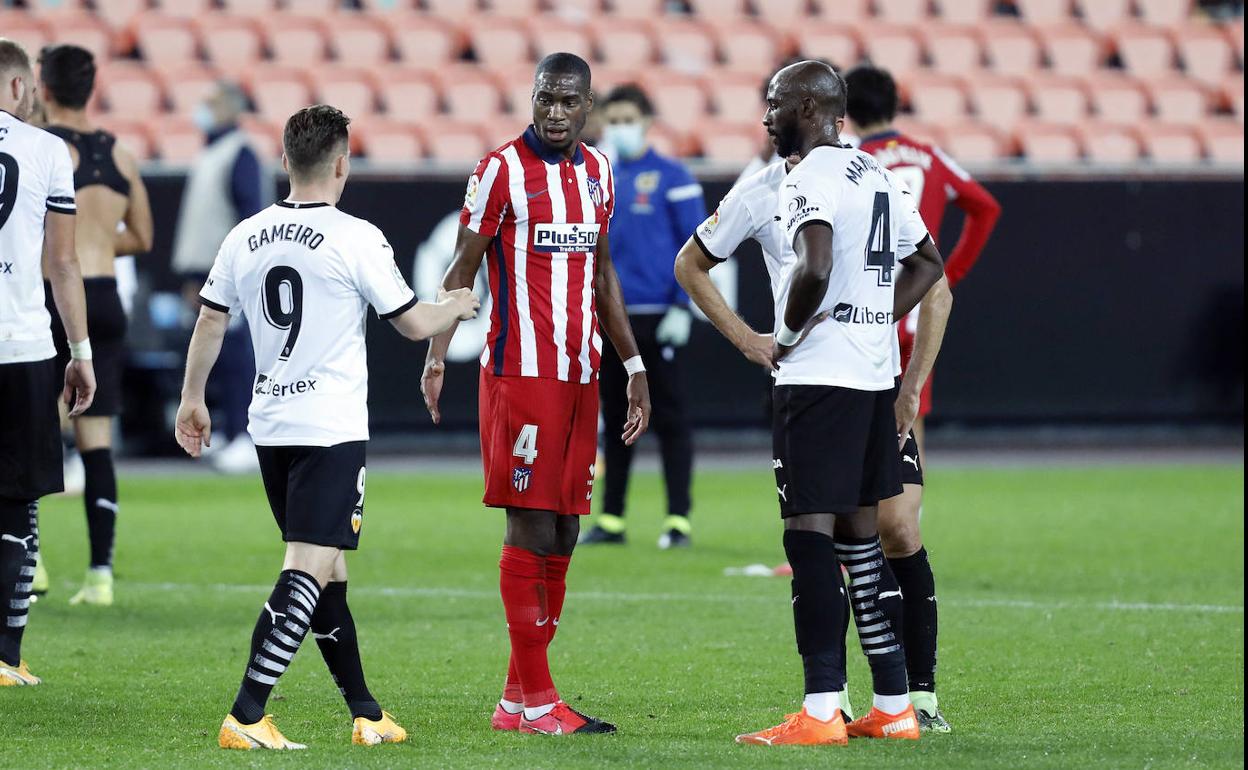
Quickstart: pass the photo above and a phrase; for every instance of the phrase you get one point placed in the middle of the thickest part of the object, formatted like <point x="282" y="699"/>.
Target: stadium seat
<point x="24" y="29"/>
<point x="670" y="141"/>
<point x="1205" y="52"/>
<point x="513" y="9"/>
<point x="518" y="92"/>
<point x="409" y="95"/>
<point x="352" y="90"/>
<point x="313" y="8"/>
<point x="577" y="11"/>
<point x="117" y="13"/>
<point x="964" y="11"/>
<point x="1178" y="100"/>
<point x="953" y="50"/>
<point x="749" y="46"/>
<point x="1144" y="50"/>
<point x="389" y="6"/>
<point x="635" y="9"/>
<point x="462" y="144"/>
<point x="1233" y="94"/>
<point x="51" y="8"/>
<point x="1071" y="49"/>
<point x="358" y="40"/>
<point x="935" y="98"/>
<point x="164" y="41"/>
<point x="82" y="29"/>
<point x="1165" y="143"/>
<point x="265" y="137"/>
<point x="737" y="99"/>
<point x="894" y="48"/>
<point x="838" y="43"/>
<point x="232" y="42"/>
<point x="719" y="10"/>
<point x="623" y="43"/>
<point x="387" y="141"/>
<point x="499" y="42"/>
<point x="1104" y="14"/>
<point x="451" y="9"/>
<point x="426" y="42"/>
<point x="1165" y="13"/>
<point x="132" y="135"/>
<point x="187" y="85"/>
<point x="130" y="90"/>
<point x="917" y="129"/>
<point x="278" y="92"/>
<point x="902" y="11"/>
<point x="469" y="93"/>
<point x="548" y="35"/>
<point x="1223" y="140"/>
<point x="1109" y="143"/>
<point x="999" y="100"/>
<point x="687" y="46"/>
<point x="1058" y="99"/>
<point x="295" y="41"/>
<point x="678" y="101"/>
<point x="176" y="140"/>
<point x="1117" y="98"/>
<point x="728" y="143"/>
<point x="1048" y="143"/>
<point x="1012" y="48"/>
<point x="835" y="11"/>
<point x="974" y="143"/>
<point x="606" y="78"/>
<point x="1044" y="11"/>
<point x="187" y="9"/>
<point x="249" y="8"/>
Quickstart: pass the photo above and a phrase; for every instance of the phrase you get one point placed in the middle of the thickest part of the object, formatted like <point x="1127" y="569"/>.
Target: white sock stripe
<point x="275" y="666"/>
<point x="19" y="604"/>
<point x="28" y="570"/>
<point x="261" y="678"/>
<point x="874" y="627"/>
<point x="273" y="649"/>
<point x="872" y="641"/>
<point x="301" y="596"/>
<point x="863" y="594"/>
<point x="867" y="617"/>
<point x="284" y="639"/>
<point x="848" y="547"/>
<point x="865" y="565"/>
<point x="297" y="612"/>
<point x="17" y="621"/>
<point x="873" y="577"/>
<point x="23" y="588"/>
<point x="295" y="628"/>
<point x="882" y="650"/>
<point x="308" y="585"/>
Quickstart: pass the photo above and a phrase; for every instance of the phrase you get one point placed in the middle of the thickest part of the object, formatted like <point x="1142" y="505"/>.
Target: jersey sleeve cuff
<point x="701" y="245"/>
<point x="214" y="305"/>
<point x="62" y="205"/>
<point x="406" y="306"/>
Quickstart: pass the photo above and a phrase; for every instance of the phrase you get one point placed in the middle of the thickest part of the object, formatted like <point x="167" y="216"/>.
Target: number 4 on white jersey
<point x="526" y="444"/>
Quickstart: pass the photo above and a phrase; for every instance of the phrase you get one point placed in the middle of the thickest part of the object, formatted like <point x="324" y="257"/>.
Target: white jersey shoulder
<point x="304" y="275"/>
<point x="36" y="177"/>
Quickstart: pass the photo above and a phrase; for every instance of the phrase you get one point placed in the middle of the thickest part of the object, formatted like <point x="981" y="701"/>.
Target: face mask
<point x="203" y="119"/>
<point x="629" y="139"/>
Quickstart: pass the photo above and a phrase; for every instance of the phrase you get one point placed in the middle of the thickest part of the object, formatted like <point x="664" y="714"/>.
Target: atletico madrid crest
<point x="520" y="478"/>
<point x="595" y="190"/>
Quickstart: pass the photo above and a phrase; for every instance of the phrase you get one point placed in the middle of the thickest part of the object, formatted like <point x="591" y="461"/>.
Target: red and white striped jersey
<point x="545" y="214"/>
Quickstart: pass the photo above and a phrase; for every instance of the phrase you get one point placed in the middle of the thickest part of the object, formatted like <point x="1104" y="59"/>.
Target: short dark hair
<point x="633" y="94"/>
<point x="68" y="71"/>
<point x="13" y="56"/>
<point x="312" y="136"/>
<point x="872" y="96"/>
<point x="563" y="63"/>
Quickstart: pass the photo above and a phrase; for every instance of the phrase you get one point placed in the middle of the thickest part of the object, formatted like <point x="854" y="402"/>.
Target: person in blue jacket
<point x="658" y="204"/>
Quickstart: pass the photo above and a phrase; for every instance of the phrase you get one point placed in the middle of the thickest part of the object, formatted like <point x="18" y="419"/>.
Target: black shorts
<point x="834" y="449"/>
<point x="106" y="323"/>
<point x="30" y="430"/>
<point x="911" y="465"/>
<point x="316" y="492"/>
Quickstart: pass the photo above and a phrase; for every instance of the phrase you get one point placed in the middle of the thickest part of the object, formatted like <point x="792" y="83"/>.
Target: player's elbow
<point x="686" y="267"/>
<point x="211" y="322"/>
<point x="144" y="238"/>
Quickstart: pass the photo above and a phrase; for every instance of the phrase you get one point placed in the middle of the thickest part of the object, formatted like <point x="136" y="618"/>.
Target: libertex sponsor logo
<point x="572" y="236"/>
<point x="268" y="387"/>
<point x="853" y="314"/>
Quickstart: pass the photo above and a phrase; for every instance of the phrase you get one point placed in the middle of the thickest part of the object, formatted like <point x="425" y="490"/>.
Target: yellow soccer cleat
<point x="19" y="676"/>
<point x="97" y="589"/>
<point x="262" y="735"/>
<point x="369" y="732"/>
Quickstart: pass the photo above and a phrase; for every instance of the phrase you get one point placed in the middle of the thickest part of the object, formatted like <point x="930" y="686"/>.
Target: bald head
<point x="805" y="107"/>
<point x="814" y="80"/>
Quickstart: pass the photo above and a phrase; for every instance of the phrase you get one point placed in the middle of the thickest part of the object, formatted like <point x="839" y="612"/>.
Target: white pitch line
<point x="438" y="592"/>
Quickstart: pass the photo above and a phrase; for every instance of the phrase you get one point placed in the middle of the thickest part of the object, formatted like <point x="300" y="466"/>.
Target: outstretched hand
<point x="193" y="427"/>
<point x="638" y="408"/>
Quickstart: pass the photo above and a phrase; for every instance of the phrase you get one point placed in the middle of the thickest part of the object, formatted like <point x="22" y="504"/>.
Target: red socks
<point x="522" y="583"/>
<point x="556" y="587"/>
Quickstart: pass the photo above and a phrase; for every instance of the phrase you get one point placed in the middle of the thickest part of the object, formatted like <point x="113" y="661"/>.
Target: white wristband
<point x="80" y="351"/>
<point x="786" y="336"/>
<point x="634" y="366"/>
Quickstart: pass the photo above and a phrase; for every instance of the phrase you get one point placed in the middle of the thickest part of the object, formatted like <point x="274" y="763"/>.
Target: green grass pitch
<point x="1089" y="618"/>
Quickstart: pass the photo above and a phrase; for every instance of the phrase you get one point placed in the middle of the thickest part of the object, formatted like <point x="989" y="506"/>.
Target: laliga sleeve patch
<point x="470" y="194"/>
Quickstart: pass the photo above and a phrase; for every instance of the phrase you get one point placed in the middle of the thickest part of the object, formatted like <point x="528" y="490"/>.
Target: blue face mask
<point x="203" y="118"/>
<point x="628" y="139"/>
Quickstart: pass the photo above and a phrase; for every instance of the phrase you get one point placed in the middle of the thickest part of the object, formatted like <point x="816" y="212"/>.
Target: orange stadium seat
<point x="678" y="101"/>
<point x="1223" y="140"/>
<point x="550" y="35"/>
<point x="719" y="10"/>
<point x="499" y="42"/>
<point x="513" y="9"/>
<point x="358" y="40"/>
<point x="352" y="90"/>
<point x="1048" y="143"/>
<point x="165" y="40"/>
<point x="1012" y="48"/>
<point x="848" y="11"/>
<point x="469" y="93"/>
<point x="278" y="91"/>
<point x="265" y="137"/>
<point x="974" y="143"/>
<point x="1205" y="52"/>
<point x="749" y="46"/>
<point x="999" y="100"/>
<point x="47" y="8"/>
<point x="1058" y="99"/>
<point x="457" y="9"/>
<point x="457" y="143"/>
<point x="737" y="99"/>
<point x="687" y="46"/>
<point x="670" y="141"/>
<point x="1117" y="98"/>
<point x="30" y="33"/>
<point x="1071" y="49"/>
<point x="1044" y="11"/>
<point x="953" y="50"/>
<point x="176" y="139"/>
<point x="1233" y="93"/>
<point x="1165" y="143"/>
<point x="935" y="98"/>
<point x="575" y="10"/>
<point x="518" y="92"/>
<point x="295" y="41"/>
<point x="133" y="135"/>
<point x="82" y="29"/>
<point x="1178" y="100"/>
<point x="187" y="85"/>
<point x="321" y="8"/>
<point x="838" y="43"/>
<point x="1109" y="143"/>
<point x="635" y="9"/>
<point x="249" y="8"/>
<point x="964" y="11"/>
<point x="409" y="95"/>
<point x="422" y="41"/>
<point x="623" y="43"/>
<point x="187" y="9"/>
<point x="728" y="143"/>
<point x="787" y="13"/>
<point x="1164" y="12"/>
<point x="1103" y="14"/>
<point x="894" y="48"/>
<point x="924" y="132"/>
<point x="130" y="90"/>
<point x="118" y="13"/>
<point x="387" y="141"/>
<point x="232" y="42"/>
<point x="606" y="78"/>
<point x="902" y="11"/>
<point x="1144" y="50"/>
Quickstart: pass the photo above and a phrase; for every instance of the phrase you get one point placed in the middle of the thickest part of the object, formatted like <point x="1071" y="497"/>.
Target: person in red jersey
<point x="934" y="179"/>
<point x="537" y="210"/>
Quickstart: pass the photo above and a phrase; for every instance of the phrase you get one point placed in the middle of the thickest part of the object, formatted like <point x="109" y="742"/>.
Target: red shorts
<point x="906" y="340"/>
<point x="539" y="443"/>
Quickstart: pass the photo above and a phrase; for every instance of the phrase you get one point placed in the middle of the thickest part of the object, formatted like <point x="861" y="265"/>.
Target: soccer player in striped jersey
<point x="537" y="210"/>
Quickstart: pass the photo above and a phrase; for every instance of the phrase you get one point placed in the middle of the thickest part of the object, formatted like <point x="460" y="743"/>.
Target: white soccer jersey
<point x="36" y="176"/>
<point x="304" y="274"/>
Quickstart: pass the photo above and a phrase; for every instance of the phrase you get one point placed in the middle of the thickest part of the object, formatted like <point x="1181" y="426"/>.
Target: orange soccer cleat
<point x="505" y="720"/>
<point x="800" y="729"/>
<point x="877" y="724"/>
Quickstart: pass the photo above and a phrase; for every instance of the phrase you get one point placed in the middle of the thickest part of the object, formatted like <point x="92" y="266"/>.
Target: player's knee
<point x="315" y="560"/>
<point x="900" y="539"/>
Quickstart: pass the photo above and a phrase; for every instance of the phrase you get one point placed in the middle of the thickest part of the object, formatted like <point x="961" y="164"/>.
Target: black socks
<point x="280" y="629"/>
<point x="99" y="496"/>
<point x="876" y="601"/>
<point x="918" y="595"/>
<point x="334" y="631"/>
<point x="19" y="545"/>
<point x="818" y="608"/>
